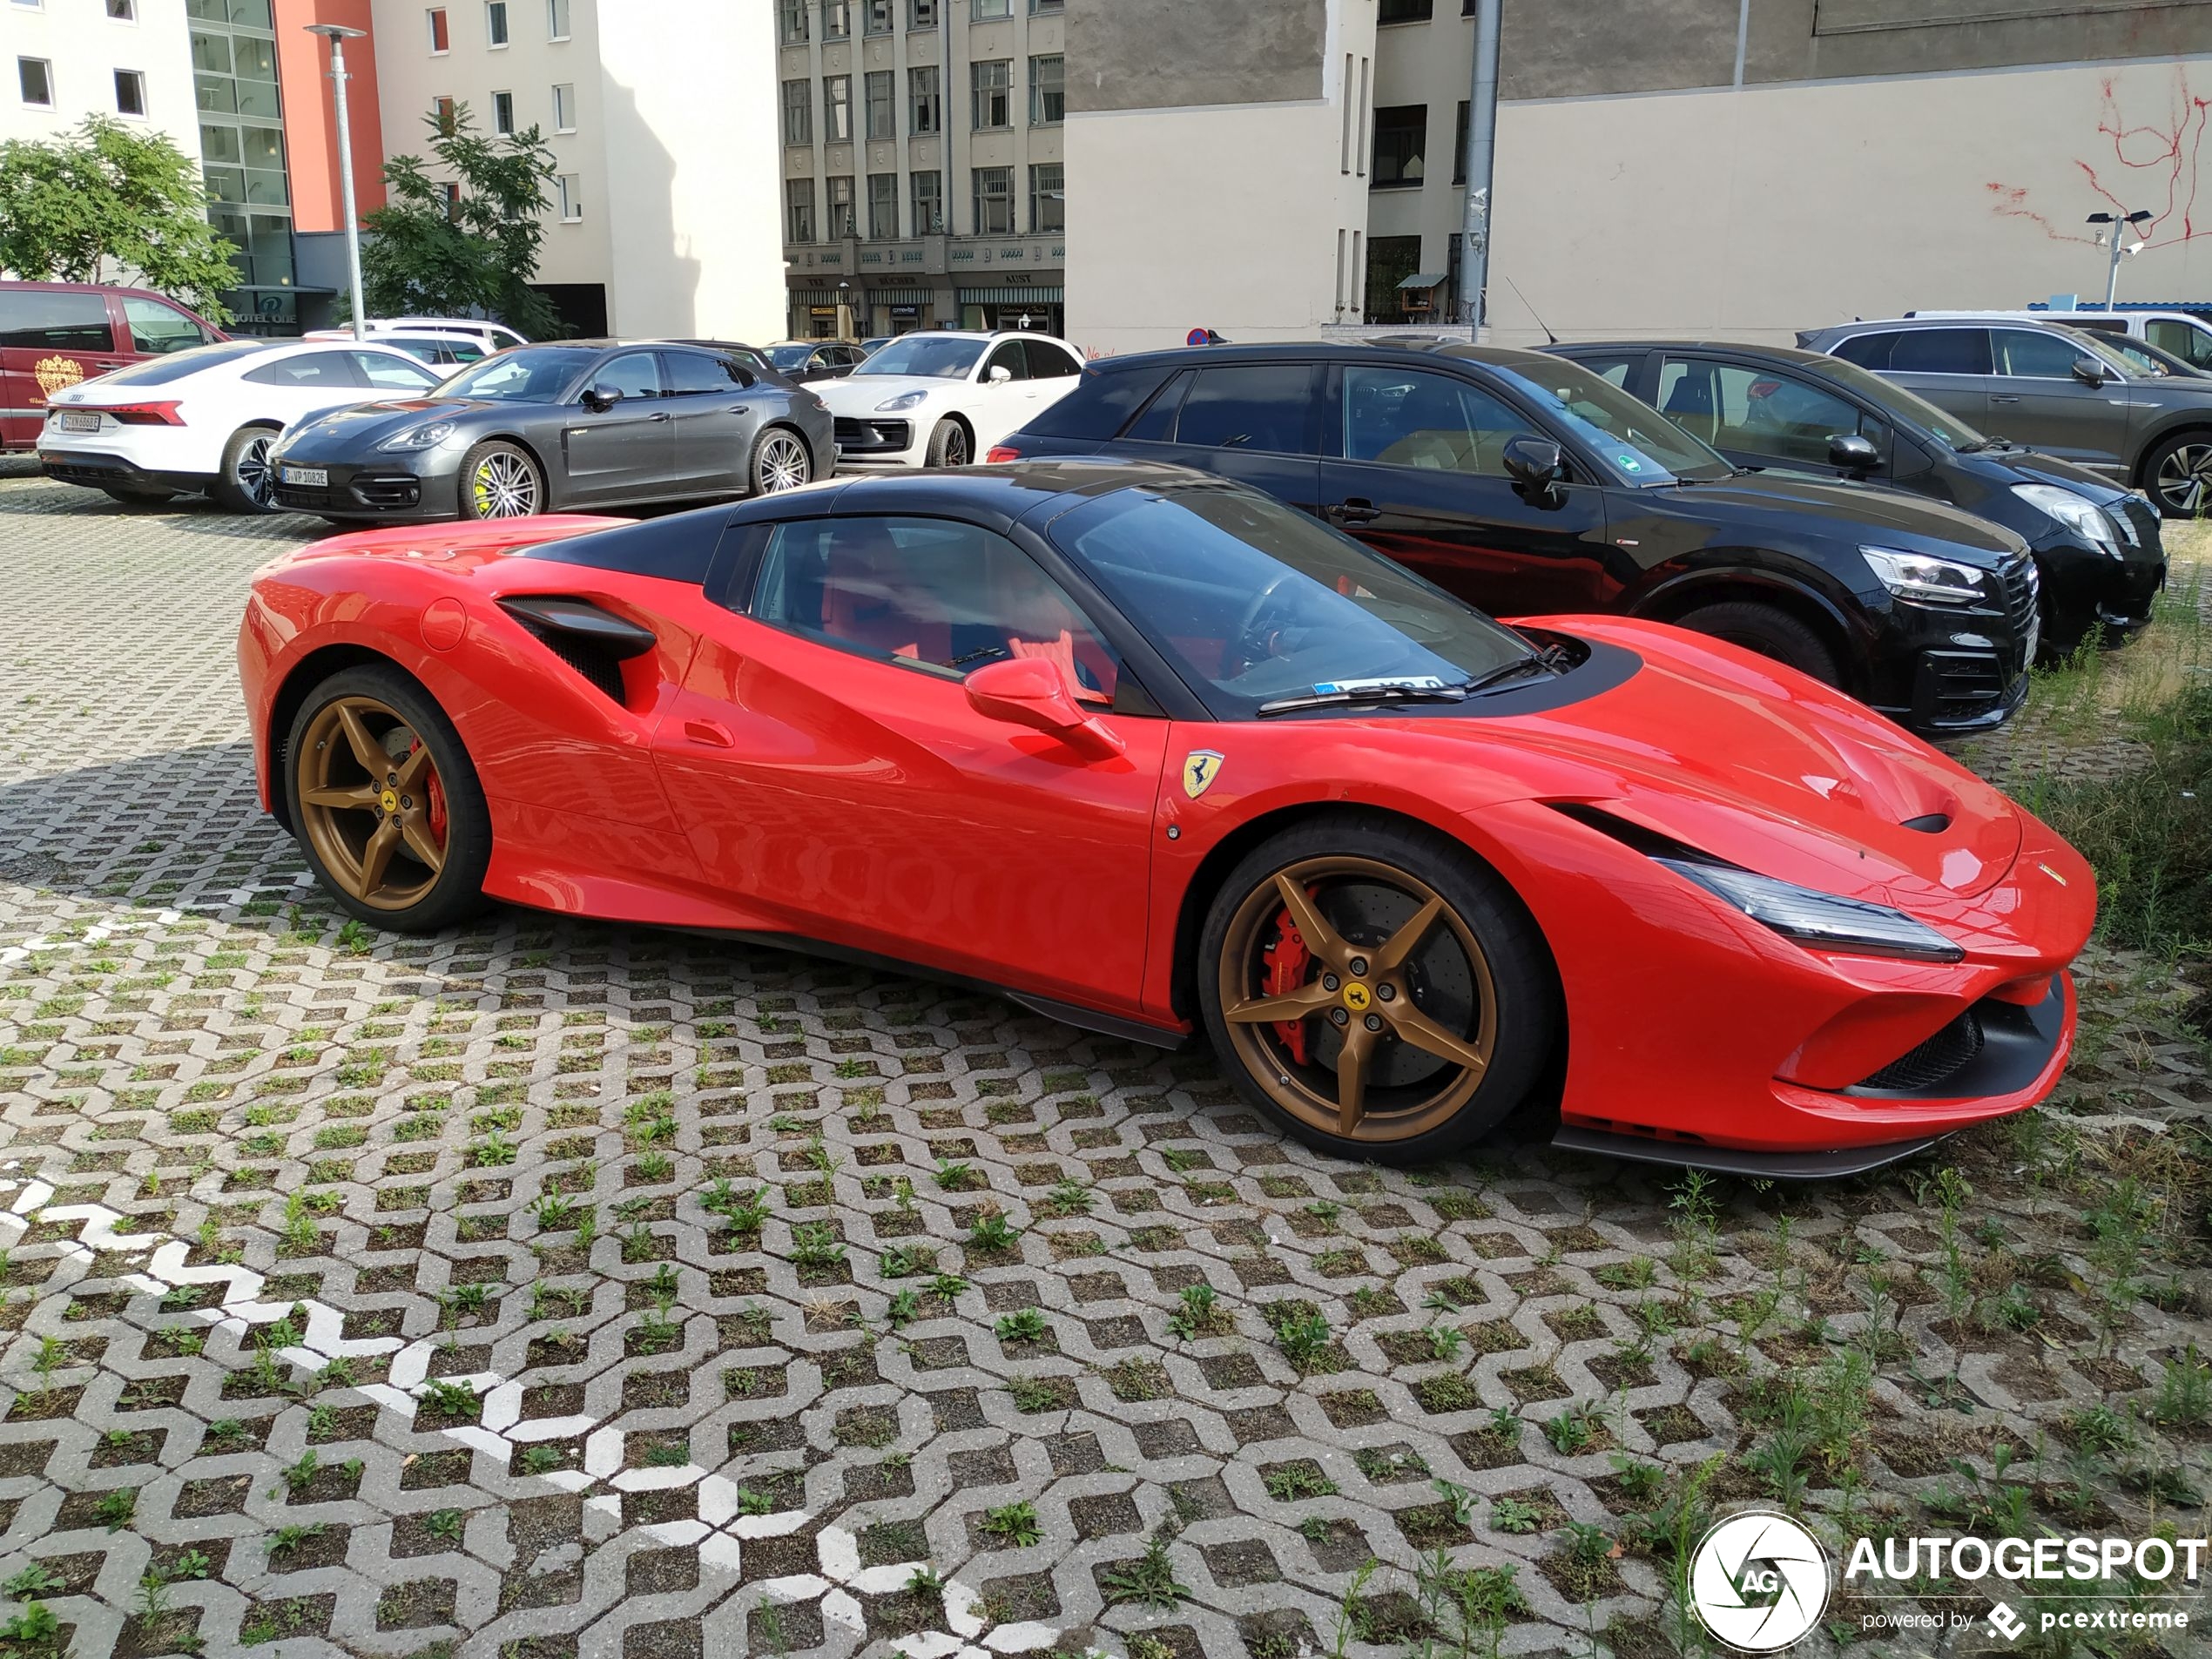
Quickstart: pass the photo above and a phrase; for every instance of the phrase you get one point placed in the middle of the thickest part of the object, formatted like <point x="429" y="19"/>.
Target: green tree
<point x="432" y="253"/>
<point x="104" y="192"/>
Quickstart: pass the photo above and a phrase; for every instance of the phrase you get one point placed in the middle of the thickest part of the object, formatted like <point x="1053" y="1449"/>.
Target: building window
<point x="557" y="19"/>
<point x="1048" y="198"/>
<point x="837" y="19"/>
<point x="925" y="103"/>
<point x="988" y="11"/>
<point x="991" y="93"/>
<point x="495" y="22"/>
<point x="994" y="201"/>
<point x="878" y="16"/>
<point x="1401" y="133"/>
<point x="1390" y="259"/>
<point x="883" y="207"/>
<point x="1047" y="91"/>
<point x="502" y="113"/>
<point x="799" y="210"/>
<point x="439" y="40"/>
<point x="130" y="93"/>
<point x="791" y="22"/>
<point x="922" y="14"/>
<point x="567" y="189"/>
<point x="564" y="108"/>
<point x="929" y="203"/>
<point x="841" y="223"/>
<point x="883" y="105"/>
<point x="1405" y="11"/>
<point x="1044" y="8"/>
<point x="453" y="203"/>
<point x="1459" y="147"/>
<point x="36" y="77"/>
<point x="123" y="11"/>
<point x="444" y="107"/>
<point x="837" y="109"/>
<point x="798" y="112"/>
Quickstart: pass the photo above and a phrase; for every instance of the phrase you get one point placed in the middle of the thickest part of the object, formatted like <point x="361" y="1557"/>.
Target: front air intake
<point x="593" y="642"/>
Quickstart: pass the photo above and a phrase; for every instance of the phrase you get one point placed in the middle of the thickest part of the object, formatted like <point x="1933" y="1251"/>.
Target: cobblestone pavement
<point x="552" y="1288"/>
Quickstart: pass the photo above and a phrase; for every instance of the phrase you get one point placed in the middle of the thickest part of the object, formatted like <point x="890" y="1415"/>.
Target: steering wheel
<point x="1253" y="611"/>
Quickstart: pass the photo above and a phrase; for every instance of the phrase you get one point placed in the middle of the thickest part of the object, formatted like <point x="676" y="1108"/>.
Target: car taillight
<point x="143" y="413"/>
<point x="1002" y="452"/>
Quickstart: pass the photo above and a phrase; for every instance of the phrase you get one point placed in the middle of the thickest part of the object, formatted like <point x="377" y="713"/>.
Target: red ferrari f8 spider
<point x="1148" y="752"/>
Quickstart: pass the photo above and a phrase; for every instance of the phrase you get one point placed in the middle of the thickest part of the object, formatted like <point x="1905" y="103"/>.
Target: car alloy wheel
<point x="255" y="479"/>
<point x="372" y="804"/>
<point x="1358" y="999"/>
<point x="781" y="463"/>
<point x="503" y="485"/>
<point x="2184" y="474"/>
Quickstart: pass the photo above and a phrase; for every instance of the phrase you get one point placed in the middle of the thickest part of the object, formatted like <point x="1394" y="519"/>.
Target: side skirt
<point x="1773" y="1166"/>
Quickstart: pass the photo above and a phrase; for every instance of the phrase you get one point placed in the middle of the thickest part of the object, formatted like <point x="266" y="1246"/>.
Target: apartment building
<point x="71" y="59"/>
<point x="661" y="119"/>
<point x="923" y="168"/>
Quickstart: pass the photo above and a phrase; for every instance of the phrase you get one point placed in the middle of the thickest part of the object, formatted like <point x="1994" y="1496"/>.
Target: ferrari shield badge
<point x="1200" y="768"/>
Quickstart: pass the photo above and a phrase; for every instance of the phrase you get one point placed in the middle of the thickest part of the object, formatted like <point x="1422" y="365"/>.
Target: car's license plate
<point x="313" y="477"/>
<point x="80" y="423"/>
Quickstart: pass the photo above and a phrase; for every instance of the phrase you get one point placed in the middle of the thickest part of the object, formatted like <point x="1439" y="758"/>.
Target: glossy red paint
<point x="755" y="781"/>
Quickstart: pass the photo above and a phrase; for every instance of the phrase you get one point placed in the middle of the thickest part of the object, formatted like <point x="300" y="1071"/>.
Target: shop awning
<point x="900" y="296"/>
<point x="1012" y="296"/>
<point x="1424" y="280"/>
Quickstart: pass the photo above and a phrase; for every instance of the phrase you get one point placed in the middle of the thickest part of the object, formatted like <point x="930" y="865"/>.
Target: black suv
<point x="2097" y="545"/>
<point x="1529" y="486"/>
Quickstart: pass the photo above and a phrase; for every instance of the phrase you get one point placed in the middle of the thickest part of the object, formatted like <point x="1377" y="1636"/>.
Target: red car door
<point x="830" y="771"/>
<point x="51" y="338"/>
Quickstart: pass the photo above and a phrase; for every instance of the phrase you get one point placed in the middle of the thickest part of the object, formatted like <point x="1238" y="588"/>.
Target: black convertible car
<point x="569" y="424"/>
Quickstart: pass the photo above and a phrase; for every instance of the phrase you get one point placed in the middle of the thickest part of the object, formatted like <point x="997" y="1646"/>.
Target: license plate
<point x="80" y="423"/>
<point x="313" y="477"/>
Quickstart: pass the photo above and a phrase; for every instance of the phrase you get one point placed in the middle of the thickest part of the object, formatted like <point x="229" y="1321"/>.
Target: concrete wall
<point x="85" y="47"/>
<point x="310" y="113"/>
<point x="1168" y="54"/>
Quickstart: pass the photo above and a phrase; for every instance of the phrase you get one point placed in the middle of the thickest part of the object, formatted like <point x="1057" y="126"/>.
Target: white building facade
<point x="127" y="59"/>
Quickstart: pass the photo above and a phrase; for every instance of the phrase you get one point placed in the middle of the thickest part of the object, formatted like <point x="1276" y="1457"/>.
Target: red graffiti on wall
<point x="2154" y="161"/>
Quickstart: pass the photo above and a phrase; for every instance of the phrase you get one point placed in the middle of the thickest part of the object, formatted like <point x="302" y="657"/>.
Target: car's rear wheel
<point x="1770" y="632"/>
<point x="246" y="483"/>
<point x="2179" y="472"/>
<point x="949" y="445"/>
<point x="385" y="802"/>
<point x="1375" y="989"/>
<point x="499" y="480"/>
<point x="137" y="495"/>
<point x="780" y="461"/>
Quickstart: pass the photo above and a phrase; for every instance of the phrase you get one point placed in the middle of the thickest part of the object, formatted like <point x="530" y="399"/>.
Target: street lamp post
<point x="2115" y="229"/>
<point x="338" y="35"/>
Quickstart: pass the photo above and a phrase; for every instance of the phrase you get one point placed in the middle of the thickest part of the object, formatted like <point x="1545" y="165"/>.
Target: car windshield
<point x="2091" y="341"/>
<point x="790" y="356"/>
<point x="1637" y="442"/>
<point x="158" y="371"/>
<point x="523" y="374"/>
<point x="1253" y="600"/>
<point x="935" y="357"/>
<point x="1882" y="394"/>
<point x="2149" y="359"/>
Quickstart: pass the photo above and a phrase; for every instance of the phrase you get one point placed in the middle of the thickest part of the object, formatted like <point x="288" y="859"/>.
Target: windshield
<point x="1637" y="442"/>
<point x="790" y="356"/>
<point x="159" y="371"/>
<point x="1882" y="394"/>
<point x="526" y="374"/>
<point x="2146" y="358"/>
<point x="1253" y="601"/>
<point x="2095" y="343"/>
<point x="938" y="357"/>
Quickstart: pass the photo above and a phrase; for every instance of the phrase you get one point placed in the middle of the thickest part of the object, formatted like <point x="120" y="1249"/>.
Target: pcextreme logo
<point x="1758" y="1582"/>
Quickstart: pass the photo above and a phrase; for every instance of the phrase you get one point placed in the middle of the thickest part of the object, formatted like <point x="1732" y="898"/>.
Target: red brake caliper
<point x="434" y="794"/>
<point x="1287" y="960"/>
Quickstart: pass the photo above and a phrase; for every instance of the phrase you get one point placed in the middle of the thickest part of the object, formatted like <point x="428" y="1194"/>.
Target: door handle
<point x="742" y="408"/>
<point x="1356" y="510"/>
<point x="660" y="414"/>
<point x="97" y="363"/>
<point x="2004" y="397"/>
<point x="712" y="733"/>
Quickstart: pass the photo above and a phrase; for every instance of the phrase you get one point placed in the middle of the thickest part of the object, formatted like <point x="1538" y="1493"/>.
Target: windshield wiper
<point x="1332" y="695"/>
<point x="1986" y="444"/>
<point x="1544" y="659"/>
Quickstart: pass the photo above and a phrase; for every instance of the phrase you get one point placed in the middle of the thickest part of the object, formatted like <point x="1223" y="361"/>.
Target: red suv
<point x="53" y="334"/>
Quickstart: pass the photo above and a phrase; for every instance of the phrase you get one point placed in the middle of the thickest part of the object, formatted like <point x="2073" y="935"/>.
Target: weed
<point x="1023" y="1325"/>
<point x="116" y="1508"/>
<point x="1296" y="1481"/>
<point x="991" y="1231"/>
<point x="1013" y="1523"/>
<point x="1511" y="1515"/>
<point x="2184" y="1391"/>
<point x="1198" y="1312"/>
<point x="540" y="1460"/>
<point x="284" y="1539"/>
<point x="815" y="1244"/>
<point x="32" y="1582"/>
<point x="1149" y="1580"/>
<point x="1460" y="1498"/>
<point x="443" y="1523"/>
<point x="1300" y="1330"/>
<point x="450" y="1399"/>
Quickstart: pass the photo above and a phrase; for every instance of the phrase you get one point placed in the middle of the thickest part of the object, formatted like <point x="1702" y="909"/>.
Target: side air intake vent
<point x="594" y="643"/>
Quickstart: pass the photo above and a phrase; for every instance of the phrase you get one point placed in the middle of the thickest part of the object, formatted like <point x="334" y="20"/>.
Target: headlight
<point x="420" y="437"/>
<point x="2077" y="512"/>
<point x="904" y="401"/>
<point x="1821" y="919"/>
<point x="1932" y="581"/>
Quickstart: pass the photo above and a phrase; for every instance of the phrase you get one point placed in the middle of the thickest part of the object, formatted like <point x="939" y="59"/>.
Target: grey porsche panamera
<point x="564" y="426"/>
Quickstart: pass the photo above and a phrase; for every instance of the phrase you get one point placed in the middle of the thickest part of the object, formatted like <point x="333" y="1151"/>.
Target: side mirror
<point x="1848" y="452"/>
<point x="600" y="398"/>
<point x="998" y="374"/>
<point x="1034" y="692"/>
<point x="1536" y="465"/>
<point x="2089" y="372"/>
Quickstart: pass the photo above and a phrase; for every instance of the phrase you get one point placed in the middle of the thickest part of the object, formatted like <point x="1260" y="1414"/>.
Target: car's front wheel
<point x="949" y="445"/>
<point x="2179" y="472"/>
<point x="1770" y="632"/>
<point x="1374" y="988"/>
<point x="246" y="483"/>
<point x="780" y="461"/>
<point x="385" y="802"/>
<point x="499" y="480"/>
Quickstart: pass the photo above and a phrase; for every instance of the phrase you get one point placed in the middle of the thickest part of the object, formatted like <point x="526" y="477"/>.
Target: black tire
<point x="2177" y="471"/>
<point x="780" y="460"/>
<point x="512" y="485"/>
<point x="950" y="444"/>
<point x="458" y="890"/>
<point x="245" y="484"/>
<point x="1524" y="1012"/>
<point x="137" y="495"/>
<point x="1770" y="632"/>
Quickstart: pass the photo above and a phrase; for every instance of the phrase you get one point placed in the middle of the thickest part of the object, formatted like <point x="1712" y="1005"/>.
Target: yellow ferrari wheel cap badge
<point x="389" y="800"/>
<point x="1357" y="996"/>
<point x="1200" y="768"/>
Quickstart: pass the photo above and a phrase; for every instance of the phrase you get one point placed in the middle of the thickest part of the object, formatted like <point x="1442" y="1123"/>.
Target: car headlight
<point x="1923" y="578"/>
<point x="420" y="437"/>
<point x="1821" y="919"/>
<point x="2077" y="512"/>
<point x="904" y="401"/>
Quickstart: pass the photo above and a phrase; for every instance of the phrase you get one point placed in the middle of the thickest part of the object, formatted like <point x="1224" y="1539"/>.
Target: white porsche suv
<point x="943" y="398"/>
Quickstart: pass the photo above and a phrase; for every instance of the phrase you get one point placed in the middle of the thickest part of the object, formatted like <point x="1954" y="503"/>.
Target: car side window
<point x="45" y="321"/>
<point x="1048" y="361"/>
<point x="1011" y="358"/>
<point x="309" y="369"/>
<point x="1868" y="351"/>
<point x="936" y="596"/>
<point x="2021" y="352"/>
<point x="158" y="329"/>
<point x="1249" y="406"/>
<point x="1402" y="417"/>
<point x="634" y="375"/>
<point x="1155" y="422"/>
<point x="1940" y="351"/>
<point x="1759" y="411"/>
<point x="694" y="372"/>
<point x="390" y="375"/>
<point x="1615" y="369"/>
<point x="2190" y="344"/>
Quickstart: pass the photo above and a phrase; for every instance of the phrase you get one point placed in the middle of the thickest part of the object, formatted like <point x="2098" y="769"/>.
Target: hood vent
<point x="1928" y="823"/>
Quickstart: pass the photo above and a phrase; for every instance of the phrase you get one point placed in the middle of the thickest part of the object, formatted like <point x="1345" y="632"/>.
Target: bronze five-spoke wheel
<point x="385" y="802"/>
<point x="1376" y="989"/>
